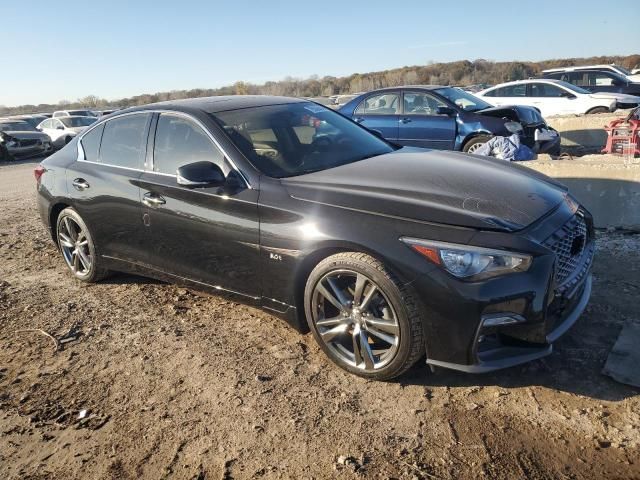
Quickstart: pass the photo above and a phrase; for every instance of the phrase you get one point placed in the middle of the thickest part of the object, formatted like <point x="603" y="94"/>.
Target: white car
<point x="554" y="97"/>
<point x="63" y="129"/>
<point x="71" y="113"/>
<point x="631" y="76"/>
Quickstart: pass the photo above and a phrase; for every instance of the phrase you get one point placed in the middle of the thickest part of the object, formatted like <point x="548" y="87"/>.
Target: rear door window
<point x="512" y="91"/>
<point x="383" y="104"/>
<point x="180" y="141"/>
<point x="91" y="143"/>
<point x="544" y="90"/>
<point x="124" y="140"/>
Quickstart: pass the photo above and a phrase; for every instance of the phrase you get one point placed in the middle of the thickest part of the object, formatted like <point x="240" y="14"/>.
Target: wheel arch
<point x="474" y="134"/>
<point x="598" y="107"/>
<point x="319" y="253"/>
<point x="54" y="213"/>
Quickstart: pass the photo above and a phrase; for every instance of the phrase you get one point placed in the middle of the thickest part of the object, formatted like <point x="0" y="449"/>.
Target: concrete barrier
<point x="584" y="133"/>
<point x="608" y="185"/>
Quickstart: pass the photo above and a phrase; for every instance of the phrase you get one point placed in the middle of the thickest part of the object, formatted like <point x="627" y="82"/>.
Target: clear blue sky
<point x="65" y="50"/>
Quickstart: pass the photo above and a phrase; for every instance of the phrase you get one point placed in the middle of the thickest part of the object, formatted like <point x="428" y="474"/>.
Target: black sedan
<point x="385" y="253"/>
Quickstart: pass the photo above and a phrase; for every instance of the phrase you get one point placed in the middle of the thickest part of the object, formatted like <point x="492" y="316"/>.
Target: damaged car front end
<point x="18" y="141"/>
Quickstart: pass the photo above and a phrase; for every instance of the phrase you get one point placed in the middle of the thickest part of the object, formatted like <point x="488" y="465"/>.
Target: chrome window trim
<point x="80" y="157"/>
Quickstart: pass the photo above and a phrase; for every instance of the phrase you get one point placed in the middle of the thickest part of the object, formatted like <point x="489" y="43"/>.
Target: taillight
<point x="38" y="171"/>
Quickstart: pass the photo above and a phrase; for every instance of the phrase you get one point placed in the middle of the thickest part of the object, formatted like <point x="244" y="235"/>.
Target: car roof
<point x="529" y="80"/>
<point x="581" y="67"/>
<point x="422" y="87"/>
<point x="11" y="120"/>
<point x="219" y="103"/>
<point x="26" y="115"/>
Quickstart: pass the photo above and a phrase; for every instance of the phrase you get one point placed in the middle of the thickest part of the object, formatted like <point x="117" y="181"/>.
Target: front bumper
<point x="508" y="356"/>
<point x="543" y="302"/>
<point x="548" y="143"/>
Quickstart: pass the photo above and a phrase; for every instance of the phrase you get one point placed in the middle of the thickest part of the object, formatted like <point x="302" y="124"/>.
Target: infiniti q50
<point x="387" y="254"/>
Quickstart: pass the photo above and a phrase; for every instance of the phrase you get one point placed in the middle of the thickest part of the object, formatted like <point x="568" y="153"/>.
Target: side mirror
<point x="445" y="111"/>
<point x="200" y="174"/>
<point x="377" y="133"/>
<point x="59" y="127"/>
<point x="568" y="95"/>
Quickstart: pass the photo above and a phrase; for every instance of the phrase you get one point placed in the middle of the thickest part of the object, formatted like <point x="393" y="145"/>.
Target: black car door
<point x="102" y="185"/>
<point x="207" y="235"/>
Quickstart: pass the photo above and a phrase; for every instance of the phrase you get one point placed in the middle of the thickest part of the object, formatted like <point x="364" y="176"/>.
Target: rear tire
<point x="598" y="110"/>
<point x="78" y="249"/>
<point x="67" y="140"/>
<point x="476" y="142"/>
<point x="377" y="331"/>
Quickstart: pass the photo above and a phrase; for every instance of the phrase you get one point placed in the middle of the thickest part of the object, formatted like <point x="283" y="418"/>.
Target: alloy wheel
<point x="473" y="148"/>
<point x="74" y="245"/>
<point x="355" y="319"/>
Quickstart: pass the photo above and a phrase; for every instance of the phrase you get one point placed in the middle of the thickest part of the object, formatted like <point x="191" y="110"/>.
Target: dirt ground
<point x="171" y="383"/>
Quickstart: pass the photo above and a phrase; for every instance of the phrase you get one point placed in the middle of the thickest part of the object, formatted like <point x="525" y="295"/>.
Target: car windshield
<point x="73" y="122"/>
<point x="622" y="70"/>
<point x="82" y="113"/>
<point x="573" y="87"/>
<point x="296" y="138"/>
<point x="15" y="127"/>
<point x="465" y="100"/>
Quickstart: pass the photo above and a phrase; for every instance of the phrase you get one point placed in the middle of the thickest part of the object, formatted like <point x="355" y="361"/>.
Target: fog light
<point x="500" y="319"/>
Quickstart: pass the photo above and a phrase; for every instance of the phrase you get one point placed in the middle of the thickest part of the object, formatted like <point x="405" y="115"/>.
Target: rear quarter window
<point x="124" y="141"/>
<point x="91" y="143"/>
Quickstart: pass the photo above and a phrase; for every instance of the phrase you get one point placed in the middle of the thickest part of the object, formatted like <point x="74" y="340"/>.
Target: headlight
<point x="513" y="127"/>
<point x="468" y="262"/>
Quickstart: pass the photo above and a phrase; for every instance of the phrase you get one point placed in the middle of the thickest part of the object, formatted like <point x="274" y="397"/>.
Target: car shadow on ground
<point x="130" y="279"/>
<point x="556" y="372"/>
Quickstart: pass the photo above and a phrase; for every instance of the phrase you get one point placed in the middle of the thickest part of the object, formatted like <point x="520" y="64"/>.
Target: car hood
<point x="620" y="97"/>
<point x="76" y="130"/>
<point x="517" y="113"/>
<point x="27" y="135"/>
<point x="436" y="187"/>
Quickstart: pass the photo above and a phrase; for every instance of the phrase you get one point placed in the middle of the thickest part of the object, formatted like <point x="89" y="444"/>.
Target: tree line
<point x="460" y="73"/>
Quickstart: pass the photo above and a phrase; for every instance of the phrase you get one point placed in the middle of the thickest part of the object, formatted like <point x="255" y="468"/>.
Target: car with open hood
<point x="20" y="140"/>
<point x="447" y="118"/>
<point x="385" y="253"/>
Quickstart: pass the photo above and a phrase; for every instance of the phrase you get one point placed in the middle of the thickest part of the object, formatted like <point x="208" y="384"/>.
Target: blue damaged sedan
<point x="447" y="118"/>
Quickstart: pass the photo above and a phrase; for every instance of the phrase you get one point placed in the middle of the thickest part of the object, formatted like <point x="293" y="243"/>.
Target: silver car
<point x="18" y="139"/>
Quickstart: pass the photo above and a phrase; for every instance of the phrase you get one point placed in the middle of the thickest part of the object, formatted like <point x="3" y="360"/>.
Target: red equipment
<point x="623" y="135"/>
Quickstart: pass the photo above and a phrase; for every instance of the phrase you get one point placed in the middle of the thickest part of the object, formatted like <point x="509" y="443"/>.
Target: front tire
<point x="78" y="248"/>
<point x="364" y="319"/>
<point x="475" y="143"/>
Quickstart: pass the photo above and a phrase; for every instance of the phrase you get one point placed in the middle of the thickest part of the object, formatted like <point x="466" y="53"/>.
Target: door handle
<point x="152" y="200"/>
<point x="405" y="120"/>
<point x="80" y="184"/>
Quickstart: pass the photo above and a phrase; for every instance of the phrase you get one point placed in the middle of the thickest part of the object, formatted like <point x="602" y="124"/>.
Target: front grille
<point x="29" y="143"/>
<point x="568" y="243"/>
